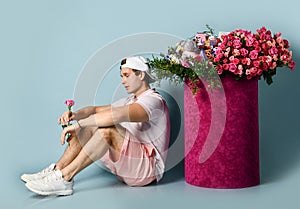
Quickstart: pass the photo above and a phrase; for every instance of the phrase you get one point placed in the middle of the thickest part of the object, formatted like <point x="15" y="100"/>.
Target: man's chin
<point x="128" y="91"/>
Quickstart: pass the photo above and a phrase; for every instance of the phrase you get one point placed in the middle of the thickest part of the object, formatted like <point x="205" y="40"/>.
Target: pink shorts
<point x="135" y="166"/>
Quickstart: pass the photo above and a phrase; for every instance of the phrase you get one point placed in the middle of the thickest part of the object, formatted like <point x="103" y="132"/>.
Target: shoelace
<point x="46" y="170"/>
<point x="52" y="177"/>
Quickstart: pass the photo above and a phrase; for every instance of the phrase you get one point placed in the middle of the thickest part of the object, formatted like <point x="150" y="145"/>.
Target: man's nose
<point x="123" y="80"/>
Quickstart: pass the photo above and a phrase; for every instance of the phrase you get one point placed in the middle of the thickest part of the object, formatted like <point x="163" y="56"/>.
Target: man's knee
<point x="113" y="135"/>
<point x="106" y="134"/>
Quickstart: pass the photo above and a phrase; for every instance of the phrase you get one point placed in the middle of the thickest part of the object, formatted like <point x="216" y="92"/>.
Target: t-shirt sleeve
<point x="119" y="102"/>
<point x="152" y="104"/>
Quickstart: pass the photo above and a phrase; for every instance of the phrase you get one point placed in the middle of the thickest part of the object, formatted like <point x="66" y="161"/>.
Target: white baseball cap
<point x="138" y="63"/>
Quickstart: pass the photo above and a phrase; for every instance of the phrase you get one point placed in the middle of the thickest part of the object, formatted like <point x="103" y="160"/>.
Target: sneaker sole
<point x="24" y="180"/>
<point x="58" y="193"/>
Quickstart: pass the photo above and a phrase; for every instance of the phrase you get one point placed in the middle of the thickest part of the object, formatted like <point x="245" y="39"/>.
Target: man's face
<point x="130" y="80"/>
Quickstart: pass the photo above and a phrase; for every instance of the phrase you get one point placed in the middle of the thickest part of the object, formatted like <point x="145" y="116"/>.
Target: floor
<point x="95" y="187"/>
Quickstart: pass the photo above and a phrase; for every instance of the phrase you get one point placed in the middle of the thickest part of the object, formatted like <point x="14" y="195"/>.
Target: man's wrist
<point x="87" y="122"/>
<point x="77" y="121"/>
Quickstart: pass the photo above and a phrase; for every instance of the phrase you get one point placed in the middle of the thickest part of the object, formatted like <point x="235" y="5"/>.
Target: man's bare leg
<point x="102" y="140"/>
<point x="74" y="147"/>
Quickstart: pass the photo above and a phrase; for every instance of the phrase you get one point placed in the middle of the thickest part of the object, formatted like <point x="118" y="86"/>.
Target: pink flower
<point x="225" y="66"/>
<point x="235" y="61"/>
<point x="275" y="57"/>
<point x="277" y="34"/>
<point x="259" y="71"/>
<point x="244" y="52"/>
<point x="256" y="63"/>
<point x="232" y="67"/>
<point x="292" y="64"/>
<point x="219" y="69"/>
<point x="273" y="65"/>
<point x="69" y="103"/>
<point x="240" y="67"/>
<point x="246" y="61"/>
<point x="250" y="40"/>
<point x="236" y="52"/>
<point x="253" y="70"/>
<point x="265" y="66"/>
<point x="237" y="44"/>
<point x="253" y="54"/>
<point x="216" y="59"/>
<point x="273" y="51"/>
<point x="185" y="64"/>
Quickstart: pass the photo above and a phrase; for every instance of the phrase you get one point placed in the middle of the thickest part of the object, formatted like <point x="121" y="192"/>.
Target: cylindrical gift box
<point x="222" y="135"/>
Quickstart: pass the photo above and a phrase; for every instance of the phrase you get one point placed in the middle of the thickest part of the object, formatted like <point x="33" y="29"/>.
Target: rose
<point x="237" y="44"/>
<point x="244" y="52"/>
<point x="253" y="54"/>
<point x="69" y="104"/>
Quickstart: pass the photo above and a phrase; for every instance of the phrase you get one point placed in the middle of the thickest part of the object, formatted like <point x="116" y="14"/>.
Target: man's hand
<point x="66" y="117"/>
<point x="72" y="130"/>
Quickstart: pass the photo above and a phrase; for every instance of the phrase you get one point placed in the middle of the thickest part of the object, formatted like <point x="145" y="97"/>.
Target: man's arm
<point x="88" y="111"/>
<point x="110" y="116"/>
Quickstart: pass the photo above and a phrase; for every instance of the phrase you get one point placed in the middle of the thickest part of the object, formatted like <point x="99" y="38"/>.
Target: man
<point x="130" y="137"/>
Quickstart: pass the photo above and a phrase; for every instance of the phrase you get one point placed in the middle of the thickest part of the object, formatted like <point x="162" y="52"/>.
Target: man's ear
<point x="142" y="75"/>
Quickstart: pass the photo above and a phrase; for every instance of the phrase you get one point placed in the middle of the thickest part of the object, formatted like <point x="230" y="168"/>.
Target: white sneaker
<point x="37" y="176"/>
<point x="53" y="184"/>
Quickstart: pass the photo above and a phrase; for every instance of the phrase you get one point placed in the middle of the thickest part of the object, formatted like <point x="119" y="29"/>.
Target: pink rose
<point x="266" y="59"/>
<point x="237" y="44"/>
<point x="236" y="52"/>
<point x="265" y="66"/>
<point x="286" y="43"/>
<point x="240" y="67"/>
<point x="279" y="40"/>
<point x="244" y="52"/>
<point x="256" y="63"/>
<point x="259" y="71"/>
<point x="235" y="61"/>
<point x="69" y="102"/>
<point x="273" y="65"/>
<point x="277" y="34"/>
<point x="258" y="49"/>
<point x="232" y="67"/>
<point x="292" y="64"/>
<point x="273" y="51"/>
<point x="253" y="54"/>
<point x="225" y="66"/>
<point x="219" y="69"/>
<point x="253" y="70"/>
<point x="216" y="59"/>
<point x="249" y="41"/>
<point x="219" y="56"/>
<point x="184" y="64"/>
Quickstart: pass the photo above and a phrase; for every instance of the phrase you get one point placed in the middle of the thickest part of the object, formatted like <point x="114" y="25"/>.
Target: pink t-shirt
<point x="156" y="131"/>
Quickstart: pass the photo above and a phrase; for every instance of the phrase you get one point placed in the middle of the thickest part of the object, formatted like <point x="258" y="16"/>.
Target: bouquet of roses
<point x="206" y="57"/>
<point x="250" y="55"/>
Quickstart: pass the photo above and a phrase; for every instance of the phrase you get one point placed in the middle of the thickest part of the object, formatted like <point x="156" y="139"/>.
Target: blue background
<point x="45" y="44"/>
